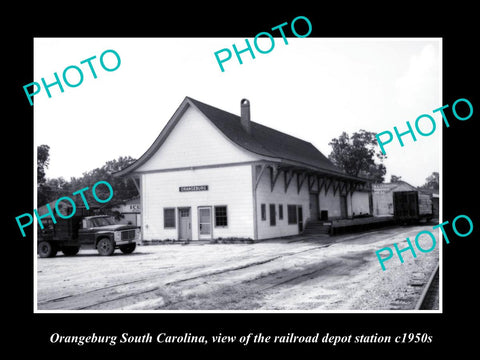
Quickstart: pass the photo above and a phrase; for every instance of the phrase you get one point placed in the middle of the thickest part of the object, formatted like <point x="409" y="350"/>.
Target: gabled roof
<point x="262" y="140"/>
<point x="392" y="185"/>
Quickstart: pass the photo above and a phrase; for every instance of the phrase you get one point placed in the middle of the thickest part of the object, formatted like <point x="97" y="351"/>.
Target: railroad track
<point x="421" y="293"/>
<point x="429" y="298"/>
<point x="167" y="294"/>
<point x="130" y="289"/>
<point x="262" y="283"/>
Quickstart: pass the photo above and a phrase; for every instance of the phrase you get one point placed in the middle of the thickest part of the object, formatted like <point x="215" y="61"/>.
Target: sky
<point x="312" y="88"/>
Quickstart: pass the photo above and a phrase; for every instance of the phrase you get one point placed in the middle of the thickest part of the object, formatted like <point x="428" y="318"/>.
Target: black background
<point x="453" y="329"/>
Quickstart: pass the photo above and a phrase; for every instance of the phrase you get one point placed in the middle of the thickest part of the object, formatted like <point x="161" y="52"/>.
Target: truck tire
<point x="105" y="246"/>
<point x="46" y="250"/>
<point x="128" y="249"/>
<point x="70" y="250"/>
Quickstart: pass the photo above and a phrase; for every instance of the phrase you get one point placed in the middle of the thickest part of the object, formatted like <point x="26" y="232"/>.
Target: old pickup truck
<point x="95" y="232"/>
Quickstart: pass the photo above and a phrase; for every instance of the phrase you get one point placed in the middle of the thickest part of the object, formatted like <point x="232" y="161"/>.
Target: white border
<point x="439" y="311"/>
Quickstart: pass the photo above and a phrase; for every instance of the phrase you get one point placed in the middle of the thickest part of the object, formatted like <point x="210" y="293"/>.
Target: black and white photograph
<point x="259" y="187"/>
<point x="225" y="180"/>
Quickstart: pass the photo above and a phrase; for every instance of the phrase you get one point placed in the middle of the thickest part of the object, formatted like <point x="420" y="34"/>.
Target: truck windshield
<point x="101" y="221"/>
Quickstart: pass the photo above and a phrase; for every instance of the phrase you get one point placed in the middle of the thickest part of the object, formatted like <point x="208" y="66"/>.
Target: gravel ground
<point x="303" y="273"/>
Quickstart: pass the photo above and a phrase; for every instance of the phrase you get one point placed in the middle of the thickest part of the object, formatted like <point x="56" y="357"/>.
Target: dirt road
<point x="303" y="273"/>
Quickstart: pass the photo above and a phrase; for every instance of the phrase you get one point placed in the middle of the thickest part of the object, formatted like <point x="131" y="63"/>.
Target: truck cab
<point x="95" y="232"/>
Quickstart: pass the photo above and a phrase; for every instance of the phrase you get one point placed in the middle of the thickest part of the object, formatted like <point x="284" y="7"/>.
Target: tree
<point x="432" y="182"/>
<point x="395" y="178"/>
<point x="356" y="155"/>
<point x="43" y="159"/>
<point x="123" y="189"/>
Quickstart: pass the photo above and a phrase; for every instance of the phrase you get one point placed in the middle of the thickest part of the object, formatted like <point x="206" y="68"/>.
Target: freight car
<point x="412" y="206"/>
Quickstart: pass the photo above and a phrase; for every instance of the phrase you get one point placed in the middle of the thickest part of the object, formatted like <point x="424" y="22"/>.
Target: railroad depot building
<point x="211" y="174"/>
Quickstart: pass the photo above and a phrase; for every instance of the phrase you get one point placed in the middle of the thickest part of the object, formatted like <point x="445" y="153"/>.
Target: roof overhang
<point x="299" y="167"/>
<point x="284" y="163"/>
<point x="158" y="141"/>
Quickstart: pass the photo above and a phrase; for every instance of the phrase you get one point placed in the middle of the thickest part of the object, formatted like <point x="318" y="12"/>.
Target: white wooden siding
<point x="330" y="203"/>
<point x="360" y="203"/>
<point x="230" y="186"/>
<point x="195" y="141"/>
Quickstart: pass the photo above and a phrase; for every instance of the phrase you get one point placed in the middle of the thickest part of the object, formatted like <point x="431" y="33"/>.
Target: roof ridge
<point x="266" y="140"/>
<point x="263" y="140"/>
<point x="254" y="122"/>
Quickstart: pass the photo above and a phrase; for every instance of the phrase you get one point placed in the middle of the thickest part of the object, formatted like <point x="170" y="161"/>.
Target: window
<point x="273" y="220"/>
<point x="292" y="214"/>
<point x="221" y="216"/>
<point x="280" y="211"/>
<point x="169" y="218"/>
<point x="100" y="221"/>
<point x="264" y="212"/>
<point x="47" y="223"/>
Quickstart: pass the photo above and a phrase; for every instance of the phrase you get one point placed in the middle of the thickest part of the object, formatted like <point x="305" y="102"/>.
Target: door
<point x="205" y="222"/>
<point x="184" y="224"/>
<point x="273" y="216"/>
<point x="86" y="235"/>
<point x="300" y="218"/>
<point x="343" y="206"/>
<point x="314" y="208"/>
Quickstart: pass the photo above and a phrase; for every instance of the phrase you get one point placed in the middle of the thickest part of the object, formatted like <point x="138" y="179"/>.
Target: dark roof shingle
<point x="264" y="140"/>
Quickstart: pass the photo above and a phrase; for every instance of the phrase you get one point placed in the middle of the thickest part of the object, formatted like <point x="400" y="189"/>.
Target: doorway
<point x="314" y="207"/>
<point x="205" y="222"/>
<point x="343" y="206"/>
<point x="300" y="218"/>
<point x="184" y="224"/>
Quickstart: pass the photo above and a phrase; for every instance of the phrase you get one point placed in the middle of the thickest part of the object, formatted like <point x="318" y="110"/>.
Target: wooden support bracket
<point x="274" y="173"/>
<point x="327" y="185"/>
<point x="320" y="183"/>
<point x="311" y="182"/>
<point x="259" y="174"/>
<point x="300" y="180"/>
<point x="288" y="178"/>
<point x="336" y="185"/>
<point x="136" y="182"/>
